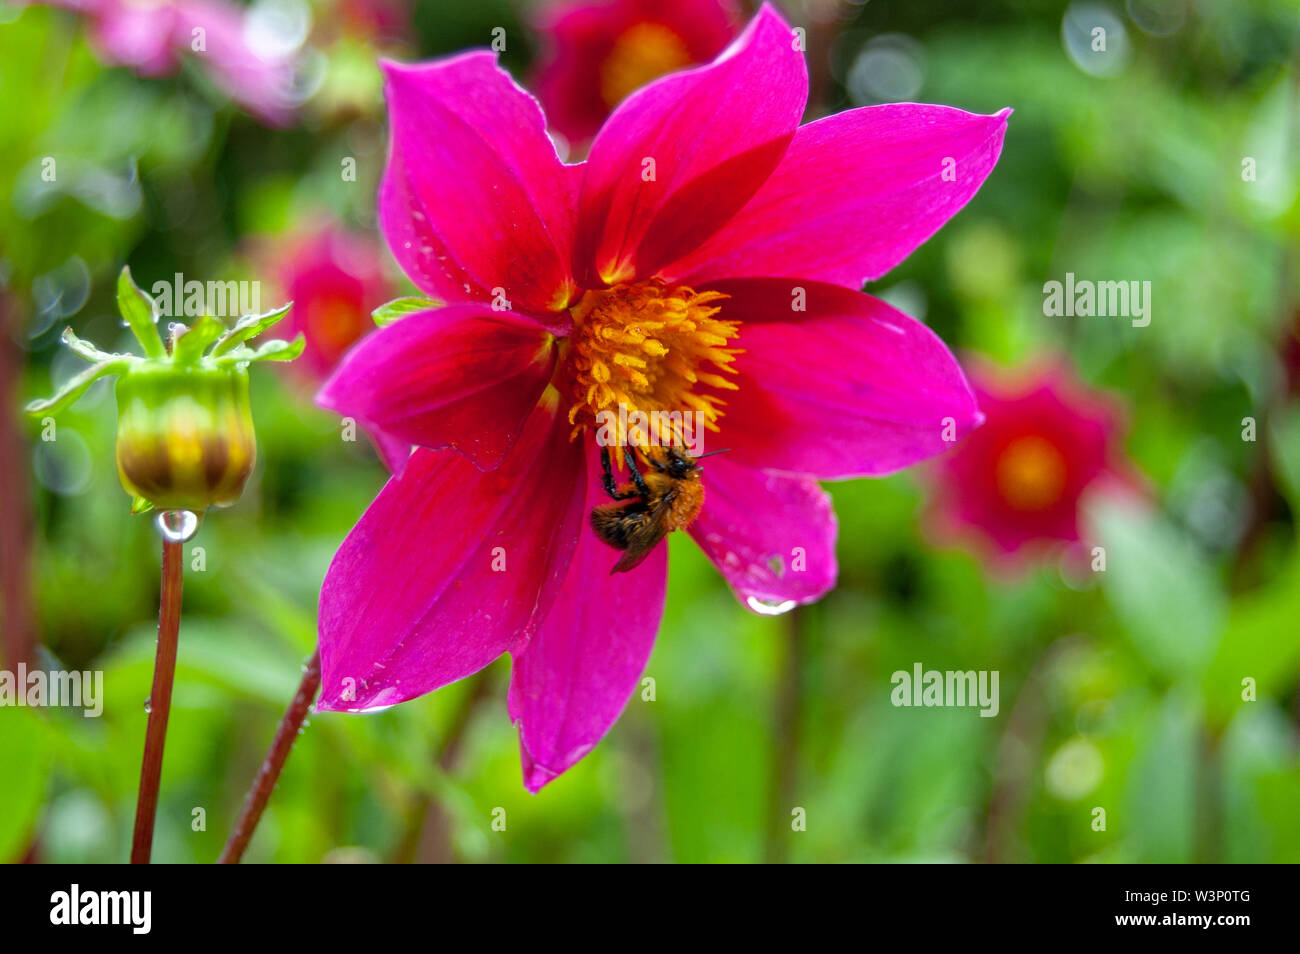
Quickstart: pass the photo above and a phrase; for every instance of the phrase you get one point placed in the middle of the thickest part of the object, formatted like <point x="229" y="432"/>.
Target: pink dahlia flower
<point x="1014" y="488"/>
<point x="705" y="259"/>
<point x="149" y="36"/>
<point x="594" y="54"/>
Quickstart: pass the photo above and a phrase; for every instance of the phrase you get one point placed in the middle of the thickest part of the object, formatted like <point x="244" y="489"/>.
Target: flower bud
<point x="184" y="439"/>
<point x="184" y="427"/>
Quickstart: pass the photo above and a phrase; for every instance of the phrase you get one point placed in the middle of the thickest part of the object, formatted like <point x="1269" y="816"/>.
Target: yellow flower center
<point x="643" y="348"/>
<point x="642" y="53"/>
<point x="1031" y="473"/>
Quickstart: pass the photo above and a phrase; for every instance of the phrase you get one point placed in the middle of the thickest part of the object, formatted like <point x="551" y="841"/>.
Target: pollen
<point x="642" y="53"/>
<point x="650" y="347"/>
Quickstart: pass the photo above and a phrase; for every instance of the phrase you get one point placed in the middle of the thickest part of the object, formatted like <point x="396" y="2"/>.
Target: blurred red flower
<point x="335" y="278"/>
<point x="594" y="54"/>
<point x="1013" y="487"/>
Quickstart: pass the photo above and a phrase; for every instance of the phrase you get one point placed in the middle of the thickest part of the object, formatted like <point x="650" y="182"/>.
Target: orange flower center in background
<point x="1031" y="473"/>
<point x="645" y="346"/>
<point x="642" y="53"/>
<point x="334" y="324"/>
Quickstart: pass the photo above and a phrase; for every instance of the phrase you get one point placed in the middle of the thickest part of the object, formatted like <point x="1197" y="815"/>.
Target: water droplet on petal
<point x="770" y="607"/>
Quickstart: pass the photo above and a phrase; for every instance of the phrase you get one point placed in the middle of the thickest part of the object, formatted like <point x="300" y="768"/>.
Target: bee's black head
<point x="677" y="464"/>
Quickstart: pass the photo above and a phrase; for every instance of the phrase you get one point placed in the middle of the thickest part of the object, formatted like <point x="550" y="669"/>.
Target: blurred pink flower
<point x="150" y="35"/>
<point x="1014" y="487"/>
<point x="723" y="283"/>
<point x="335" y="279"/>
<point x="594" y="54"/>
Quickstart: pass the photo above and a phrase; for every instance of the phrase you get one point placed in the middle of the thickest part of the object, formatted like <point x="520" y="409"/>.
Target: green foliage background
<point x="1124" y="693"/>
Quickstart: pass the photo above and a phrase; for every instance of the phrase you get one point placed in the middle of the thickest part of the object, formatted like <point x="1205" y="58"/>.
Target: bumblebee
<point x="666" y="498"/>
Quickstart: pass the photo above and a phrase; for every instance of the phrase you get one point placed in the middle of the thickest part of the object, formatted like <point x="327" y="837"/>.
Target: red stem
<point x="276" y="756"/>
<point x="17" y="624"/>
<point x="160" y="702"/>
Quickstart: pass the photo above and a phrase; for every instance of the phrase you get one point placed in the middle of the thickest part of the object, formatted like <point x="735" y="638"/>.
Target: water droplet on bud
<point x="177" y="526"/>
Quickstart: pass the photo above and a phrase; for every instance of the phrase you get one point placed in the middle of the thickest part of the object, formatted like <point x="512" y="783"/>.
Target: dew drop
<point x="148" y="705"/>
<point x="770" y="607"/>
<point x="177" y="526"/>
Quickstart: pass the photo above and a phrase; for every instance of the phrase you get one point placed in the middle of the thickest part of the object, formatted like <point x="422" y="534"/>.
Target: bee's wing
<point x="652" y="529"/>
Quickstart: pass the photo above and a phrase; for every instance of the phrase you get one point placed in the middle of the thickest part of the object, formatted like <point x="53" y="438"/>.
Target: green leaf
<point x="1284" y="450"/>
<point x="250" y="326"/>
<point x="140" y="313"/>
<point x="84" y="349"/>
<point x="1159" y="807"/>
<point x="1167" y="596"/>
<point x="140" y="505"/>
<point x="276" y="350"/>
<point x="1259" y="644"/>
<point x="78" y="385"/>
<point x="388" y="313"/>
<point x="27" y="761"/>
<point x="189" y="347"/>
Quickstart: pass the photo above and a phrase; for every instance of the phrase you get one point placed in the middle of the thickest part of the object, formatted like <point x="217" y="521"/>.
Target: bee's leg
<point x="629" y="458"/>
<point x="607" y="477"/>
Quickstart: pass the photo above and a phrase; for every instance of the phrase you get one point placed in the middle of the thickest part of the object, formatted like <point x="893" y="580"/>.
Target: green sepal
<point x="275" y="350"/>
<point x="188" y="347"/>
<point x="140" y="505"/>
<point x="78" y="385"/>
<point x="388" y="313"/>
<point x="250" y="326"/>
<point x="140" y="313"/>
<point x="85" y="350"/>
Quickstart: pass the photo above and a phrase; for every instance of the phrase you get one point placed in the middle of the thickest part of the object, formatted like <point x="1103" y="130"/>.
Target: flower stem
<point x="276" y="756"/>
<point x="17" y="618"/>
<point x="160" y="702"/>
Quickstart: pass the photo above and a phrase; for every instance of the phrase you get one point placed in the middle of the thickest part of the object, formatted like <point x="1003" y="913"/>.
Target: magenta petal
<point x="715" y="134"/>
<point x="393" y="451"/>
<point x="449" y="568"/>
<point x="464" y="377"/>
<point x="771" y="536"/>
<point x="576" y="674"/>
<point x="854" y="195"/>
<point x="886" y="392"/>
<point x="474" y="197"/>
